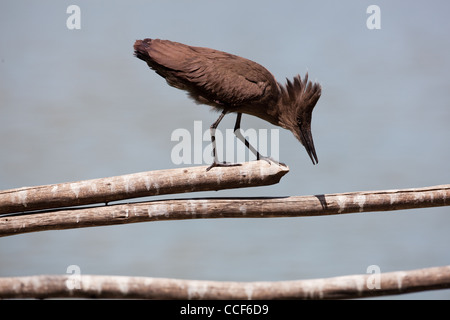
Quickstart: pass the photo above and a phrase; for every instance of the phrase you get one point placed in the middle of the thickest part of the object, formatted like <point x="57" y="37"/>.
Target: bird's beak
<point x="308" y="143"/>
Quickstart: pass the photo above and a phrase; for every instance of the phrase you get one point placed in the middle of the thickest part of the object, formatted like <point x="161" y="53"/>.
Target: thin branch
<point x="297" y="206"/>
<point x="171" y="181"/>
<point x="344" y="287"/>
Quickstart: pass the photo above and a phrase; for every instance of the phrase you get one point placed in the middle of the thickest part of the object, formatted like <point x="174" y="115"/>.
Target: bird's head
<point x="298" y="101"/>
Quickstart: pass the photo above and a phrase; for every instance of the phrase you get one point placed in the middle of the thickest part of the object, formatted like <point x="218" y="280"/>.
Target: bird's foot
<point x="222" y="164"/>
<point x="271" y="160"/>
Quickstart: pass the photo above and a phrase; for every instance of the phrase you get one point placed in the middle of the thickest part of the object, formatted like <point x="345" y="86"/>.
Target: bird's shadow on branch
<point x="323" y="201"/>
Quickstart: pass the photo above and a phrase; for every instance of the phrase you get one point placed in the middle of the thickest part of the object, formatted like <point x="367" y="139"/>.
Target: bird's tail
<point x="141" y="49"/>
<point x="162" y="54"/>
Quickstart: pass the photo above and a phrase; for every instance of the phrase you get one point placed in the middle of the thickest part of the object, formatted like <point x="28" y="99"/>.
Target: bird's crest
<point x="301" y="94"/>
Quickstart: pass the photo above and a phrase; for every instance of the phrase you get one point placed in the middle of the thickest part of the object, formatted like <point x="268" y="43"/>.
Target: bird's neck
<point x="285" y="114"/>
<point x="268" y="113"/>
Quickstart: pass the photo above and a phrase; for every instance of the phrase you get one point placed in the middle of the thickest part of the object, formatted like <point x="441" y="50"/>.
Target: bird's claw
<point x="228" y="164"/>
<point x="271" y="160"/>
<point x="222" y="164"/>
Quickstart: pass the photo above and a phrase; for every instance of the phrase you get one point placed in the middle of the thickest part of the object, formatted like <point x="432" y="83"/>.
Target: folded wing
<point x="210" y="76"/>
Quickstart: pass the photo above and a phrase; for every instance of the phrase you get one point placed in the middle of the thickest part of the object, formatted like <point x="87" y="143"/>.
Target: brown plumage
<point x="231" y="83"/>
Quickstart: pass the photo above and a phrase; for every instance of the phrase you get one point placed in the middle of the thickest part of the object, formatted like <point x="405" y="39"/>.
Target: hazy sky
<point x="75" y="104"/>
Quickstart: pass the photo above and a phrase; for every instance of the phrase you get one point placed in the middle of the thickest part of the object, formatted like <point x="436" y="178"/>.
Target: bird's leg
<point x="238" y="133"/>
<point x="212" y="130"/>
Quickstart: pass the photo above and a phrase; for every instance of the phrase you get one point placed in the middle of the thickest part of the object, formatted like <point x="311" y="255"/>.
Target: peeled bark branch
<point x="297" y="206"/>
<point x="121" y="287"/>
<point x="171" y="181"/>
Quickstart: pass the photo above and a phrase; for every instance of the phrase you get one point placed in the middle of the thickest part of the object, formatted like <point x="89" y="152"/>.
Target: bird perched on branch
<point x="230" y="83"/>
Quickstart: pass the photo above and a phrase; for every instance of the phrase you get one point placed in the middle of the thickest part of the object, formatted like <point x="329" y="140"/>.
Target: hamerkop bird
<point x="230" y="83"/>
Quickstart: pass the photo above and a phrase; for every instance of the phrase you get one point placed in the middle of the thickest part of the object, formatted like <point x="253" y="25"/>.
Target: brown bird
<point x="230" y="83"/>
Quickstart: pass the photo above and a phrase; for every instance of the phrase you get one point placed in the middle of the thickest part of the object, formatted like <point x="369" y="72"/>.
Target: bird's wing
<point x="213" y="75"/>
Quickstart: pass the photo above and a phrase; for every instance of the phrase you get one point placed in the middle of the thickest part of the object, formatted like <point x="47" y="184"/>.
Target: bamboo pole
<point x="295" y="206"/>
<point x="343" y="287"/>
<point x="171" y="181"/>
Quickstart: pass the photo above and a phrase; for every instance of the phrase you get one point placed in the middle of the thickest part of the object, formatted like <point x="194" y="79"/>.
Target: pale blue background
<point x="76" y="104"/>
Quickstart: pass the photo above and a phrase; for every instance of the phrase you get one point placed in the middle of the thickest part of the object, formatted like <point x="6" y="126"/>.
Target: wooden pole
<point x="171" y="181"/>
<point x="344" y="287"/>
<point x="296" y="206"/>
